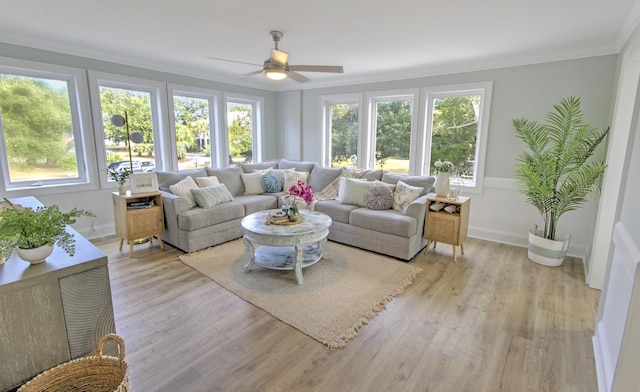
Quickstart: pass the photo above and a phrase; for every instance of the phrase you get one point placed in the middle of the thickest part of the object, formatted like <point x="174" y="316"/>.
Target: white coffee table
<point x="285" y="247"/>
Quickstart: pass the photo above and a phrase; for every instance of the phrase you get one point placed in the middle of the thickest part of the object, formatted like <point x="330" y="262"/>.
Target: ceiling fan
<point x="277" y="67"/>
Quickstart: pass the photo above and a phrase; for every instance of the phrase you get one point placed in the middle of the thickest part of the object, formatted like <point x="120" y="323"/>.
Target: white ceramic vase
<point x="35" y="256"/>
<point x="442" y="185"/>
<point x="122" y="189"/>
<point x="544" y="251"/>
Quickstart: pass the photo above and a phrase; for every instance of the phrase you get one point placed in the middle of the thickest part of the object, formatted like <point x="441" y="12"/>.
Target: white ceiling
<point x="374" y="40"/>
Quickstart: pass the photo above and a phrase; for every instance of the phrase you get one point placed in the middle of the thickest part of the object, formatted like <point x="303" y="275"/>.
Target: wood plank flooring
<point x="494" y="321"/>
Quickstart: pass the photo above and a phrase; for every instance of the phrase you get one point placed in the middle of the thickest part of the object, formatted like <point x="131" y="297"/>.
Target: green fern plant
<point x="555" y="173"/>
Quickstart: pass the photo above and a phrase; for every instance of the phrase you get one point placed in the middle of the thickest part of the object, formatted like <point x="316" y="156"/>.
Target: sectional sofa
<point x="395" y="231"/>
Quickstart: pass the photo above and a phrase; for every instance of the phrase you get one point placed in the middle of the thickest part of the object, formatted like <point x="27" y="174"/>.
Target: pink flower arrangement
<point x="302" y="191"/>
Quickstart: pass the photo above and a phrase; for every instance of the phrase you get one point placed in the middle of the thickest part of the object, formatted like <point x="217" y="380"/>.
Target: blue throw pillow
<point x="271" y="183"/>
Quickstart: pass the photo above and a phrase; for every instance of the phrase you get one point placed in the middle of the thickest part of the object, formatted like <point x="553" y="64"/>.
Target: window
<point x="456" y="119"/>
<point x="40" y="126"/>
<point x="139" y="102"/>
<point x="244" y="129"/>
<point x="195" y="119"/>
<point x="393" y="123"/>
<point x="342" y="119"/>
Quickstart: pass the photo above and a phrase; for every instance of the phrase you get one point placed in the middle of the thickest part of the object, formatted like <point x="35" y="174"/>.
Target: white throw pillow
<point x="204" y="182"/>
<point x="405" y="195"/>
<point x="352" y="190"/>
<point x="183" y="189"/>
<point x="253" y="182"/>
<point x="291" y="178"/>
<point x="210" y="196"/>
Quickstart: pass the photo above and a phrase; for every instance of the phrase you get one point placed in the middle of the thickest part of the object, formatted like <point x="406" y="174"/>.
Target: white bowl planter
<point x="35" y="256"/>
<point x="544" y="251"/>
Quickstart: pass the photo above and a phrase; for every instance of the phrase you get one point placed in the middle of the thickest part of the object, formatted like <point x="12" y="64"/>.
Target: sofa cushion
<point x="197" y="218"/>
<point x="302" y="166"/>
<point x="255" y="203"/>
<point x="352" y="191"/>
<point x="207" y="181"/>
<point x="271" y="183"/>
<point x="425" y="182"/>
<point x="210" y="196"/>
<point x="251" y="167"/>
<point x="253" y="182"/>
<point x="378" y="197"/>
<point x="229" y="176"/>
<point x="166" y="179"/>
<point x="405" y="195"/>
<point x="322" y="176"/>
<point x="372" y="175"/>
<point x="183" y="189"/>
<point x="291" y="178"/>
<point x="384" y="221"/>
<point x="337" y="211"/>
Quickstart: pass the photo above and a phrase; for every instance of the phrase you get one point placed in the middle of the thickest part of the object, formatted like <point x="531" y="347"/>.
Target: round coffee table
<point x="285" y="247"/>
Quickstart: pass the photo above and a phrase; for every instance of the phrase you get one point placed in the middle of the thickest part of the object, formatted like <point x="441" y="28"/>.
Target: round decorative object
<point x="442" y="184"/>
<point x="379" y="197"/>
<point x="35" y="256"/>
<point x="271" y="183"/>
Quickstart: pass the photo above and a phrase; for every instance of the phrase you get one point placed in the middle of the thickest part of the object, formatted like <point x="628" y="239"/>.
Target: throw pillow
<point x="207" y="181"/>
<point x="210" y="196"/>
<point x="271" y="183"/>
<point x="352" y="190"/>
<point x="378" y="197"/>
<point x="183" y="189"/>
<point x="405" y="195"/>
<point x="291" y="178"/>
<point x="253" y="182"/>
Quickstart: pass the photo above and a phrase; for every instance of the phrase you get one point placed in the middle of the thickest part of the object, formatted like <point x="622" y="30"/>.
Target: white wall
<point x="499" y="213"/>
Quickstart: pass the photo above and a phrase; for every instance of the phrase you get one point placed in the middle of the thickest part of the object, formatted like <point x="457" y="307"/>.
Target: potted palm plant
<point x="556" y="173"/>
<point x="28" y="229"/>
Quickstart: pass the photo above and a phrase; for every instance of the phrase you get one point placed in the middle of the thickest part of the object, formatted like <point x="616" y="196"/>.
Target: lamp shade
<point x="118" y="120"/>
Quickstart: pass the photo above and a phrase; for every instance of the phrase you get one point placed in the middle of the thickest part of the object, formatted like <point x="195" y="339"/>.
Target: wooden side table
<point x="138" y="216"/>
<point x="443" y="226"/>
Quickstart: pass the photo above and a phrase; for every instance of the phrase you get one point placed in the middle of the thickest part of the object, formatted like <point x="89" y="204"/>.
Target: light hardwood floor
<point x="492" y="322"/>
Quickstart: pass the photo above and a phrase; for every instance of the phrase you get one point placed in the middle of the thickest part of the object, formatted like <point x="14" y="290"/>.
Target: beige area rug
<point x="339" y="295"/>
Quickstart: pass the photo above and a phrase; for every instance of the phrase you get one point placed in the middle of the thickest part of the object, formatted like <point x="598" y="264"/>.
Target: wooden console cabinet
<point x="134" y="223"/>
<point x="442" y="226"/>
<point x="52" y="312"/>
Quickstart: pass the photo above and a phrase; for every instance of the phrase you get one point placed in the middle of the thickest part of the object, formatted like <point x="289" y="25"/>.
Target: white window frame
<point x="370" y="139"/>
<point x="423" y="144"/>
<point x="214" y="98"/>
<point x="257" y="105"/>
<point x="325" y="108"/>
<point x="159" y="119"/>
<point x="79" y="105"/>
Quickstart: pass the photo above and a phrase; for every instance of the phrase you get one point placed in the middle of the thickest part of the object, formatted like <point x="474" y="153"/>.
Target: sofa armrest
<point x="173" y="206"/>
<point x="417" y="209"/>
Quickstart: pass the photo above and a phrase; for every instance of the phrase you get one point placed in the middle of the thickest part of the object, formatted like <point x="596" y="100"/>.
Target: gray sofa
<point x="387" y="231"/>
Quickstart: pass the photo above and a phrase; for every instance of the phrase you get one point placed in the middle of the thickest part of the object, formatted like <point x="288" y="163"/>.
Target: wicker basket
<point x="100" y="373"/>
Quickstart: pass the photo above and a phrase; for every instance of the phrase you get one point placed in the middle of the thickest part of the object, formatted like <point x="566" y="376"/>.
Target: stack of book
<point x="140" y="204"/>
<point x="278" y="217"/>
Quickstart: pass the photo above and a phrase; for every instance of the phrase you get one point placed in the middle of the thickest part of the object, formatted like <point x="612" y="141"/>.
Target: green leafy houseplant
<point x="27" y="228"/>
<point x="555" y="173"/>
<point x="119" y="177"/>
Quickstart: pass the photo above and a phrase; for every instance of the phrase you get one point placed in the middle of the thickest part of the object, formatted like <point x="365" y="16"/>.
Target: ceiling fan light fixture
<point x="275" y="73"/>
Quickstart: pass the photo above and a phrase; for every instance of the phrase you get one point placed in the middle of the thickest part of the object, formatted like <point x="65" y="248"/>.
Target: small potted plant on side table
<point x="121" y="178"/>
<point x="37" y="231"/>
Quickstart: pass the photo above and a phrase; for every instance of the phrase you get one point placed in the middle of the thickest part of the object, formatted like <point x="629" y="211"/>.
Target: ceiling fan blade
<point x="297" y="77"/>
<point x="250" y="74"/>
<point x="233" y="61"/>
<point x="317" y="68"/>
<point x="279" y="57"/>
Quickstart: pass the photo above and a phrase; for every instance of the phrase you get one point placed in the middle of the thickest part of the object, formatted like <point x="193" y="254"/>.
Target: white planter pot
<point x="442" y="185"/>
<point x="544" y="251"/>
<point x="35" y="256"/>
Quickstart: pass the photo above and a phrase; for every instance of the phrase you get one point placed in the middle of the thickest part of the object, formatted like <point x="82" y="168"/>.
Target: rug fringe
<point x="340" y="341"/>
